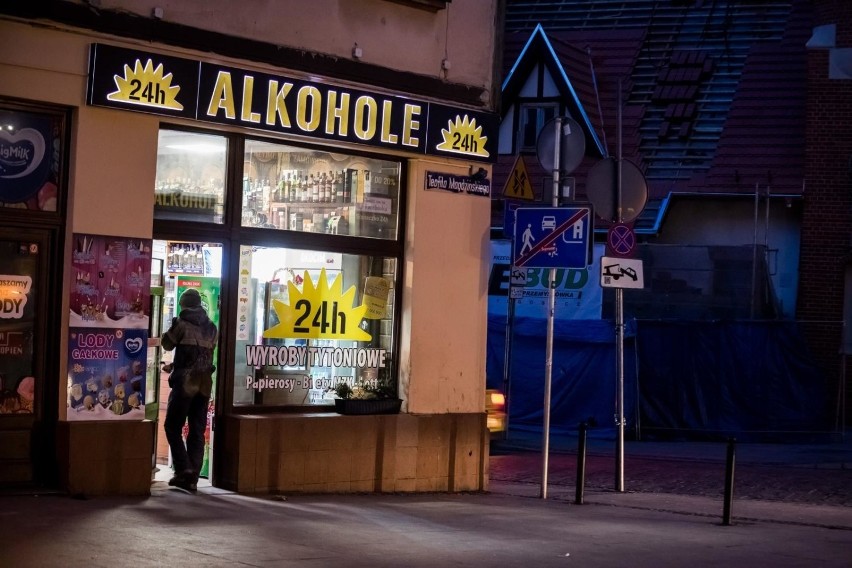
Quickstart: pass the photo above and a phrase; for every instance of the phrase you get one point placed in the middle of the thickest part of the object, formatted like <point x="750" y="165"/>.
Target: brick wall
<point x="827" y="223"/>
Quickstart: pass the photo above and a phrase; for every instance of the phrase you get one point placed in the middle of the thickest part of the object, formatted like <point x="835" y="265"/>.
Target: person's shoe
<point x="184" y="480"/>
<point x="186" y="485"/>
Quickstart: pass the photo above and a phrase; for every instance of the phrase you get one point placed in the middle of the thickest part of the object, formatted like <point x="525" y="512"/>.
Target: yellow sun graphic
<point x="146" y="86"/>
<point x="463" y="136"/>
<point x="319" y="312"/>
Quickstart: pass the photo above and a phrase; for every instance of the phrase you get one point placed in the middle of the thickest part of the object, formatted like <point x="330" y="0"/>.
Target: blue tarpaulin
<point x="583" y="381"/>
<point x="695" y="380"/>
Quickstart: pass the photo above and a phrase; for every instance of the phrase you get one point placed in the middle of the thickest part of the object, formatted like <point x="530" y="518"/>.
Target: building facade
<point x="319" y="175"/>
<point x="825" y="282"/>
<point x="734" y="113"/>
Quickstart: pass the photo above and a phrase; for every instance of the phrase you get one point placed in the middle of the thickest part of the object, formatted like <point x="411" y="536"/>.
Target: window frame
<point x="233" y="235"/>
<point x="541" y="107"/>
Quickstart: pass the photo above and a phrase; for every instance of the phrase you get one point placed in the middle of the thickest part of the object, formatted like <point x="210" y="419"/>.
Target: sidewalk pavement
<point x="508" y="526"/>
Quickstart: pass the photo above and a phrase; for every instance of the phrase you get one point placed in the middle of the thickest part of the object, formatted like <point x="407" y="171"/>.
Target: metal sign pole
<point x="619" y="331"/>
<point x="507" y="358"/>
<point x="551" y="308"/>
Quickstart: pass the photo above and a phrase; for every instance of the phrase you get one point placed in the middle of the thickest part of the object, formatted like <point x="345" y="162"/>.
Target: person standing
<point x="193" y="337"/>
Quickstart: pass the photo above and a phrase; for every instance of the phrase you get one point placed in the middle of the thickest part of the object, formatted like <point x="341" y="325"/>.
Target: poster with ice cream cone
<point x="110" y="282"/>
<point x="106" y="373"/>
<point x="110" y="291"/>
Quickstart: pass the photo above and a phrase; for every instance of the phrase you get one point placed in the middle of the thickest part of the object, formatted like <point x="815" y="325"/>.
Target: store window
<point x="19" y="282"/>
<point x="191" y="174"/>
<point x="299" y="189"/>
<point x="30" y="154"/>
<point x="317" y="236"/>
<point x="309" y="320"/>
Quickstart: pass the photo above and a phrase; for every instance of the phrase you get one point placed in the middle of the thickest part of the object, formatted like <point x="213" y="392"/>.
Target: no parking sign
<point x="620" y="241"/>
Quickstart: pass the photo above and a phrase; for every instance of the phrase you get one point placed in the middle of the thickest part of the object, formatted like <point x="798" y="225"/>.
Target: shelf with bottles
<point x="355" y="202"/>
<point x="322" y="190"/>
<point x="185" y="258"/>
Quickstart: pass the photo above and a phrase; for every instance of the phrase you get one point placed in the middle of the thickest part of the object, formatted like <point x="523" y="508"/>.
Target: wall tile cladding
<point x="344" y="454"/>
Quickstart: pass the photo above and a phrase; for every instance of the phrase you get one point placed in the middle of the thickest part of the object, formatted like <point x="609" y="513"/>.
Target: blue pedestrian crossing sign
<point x="552" y="237"/>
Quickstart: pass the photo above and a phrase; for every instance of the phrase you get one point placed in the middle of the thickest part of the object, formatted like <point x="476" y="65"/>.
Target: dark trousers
<point x="186" y="458"/>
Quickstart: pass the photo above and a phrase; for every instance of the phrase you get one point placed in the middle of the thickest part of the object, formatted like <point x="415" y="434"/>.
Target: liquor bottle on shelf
<point x="297" y="188"/>
<point x="314" y="184"/>
<point x="328" y="187"/>
<point x="350" y="186"/>
<point x="265" y="195"/>
<point x="368" y="184"/>
<point x="337" y="188"/>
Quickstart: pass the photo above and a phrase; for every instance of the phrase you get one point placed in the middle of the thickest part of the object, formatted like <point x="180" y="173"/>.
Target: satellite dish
<point x="602" y="190"/>
<point x="572" y="145"/>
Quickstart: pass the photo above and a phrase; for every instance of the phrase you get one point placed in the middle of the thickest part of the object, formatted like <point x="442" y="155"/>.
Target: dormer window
<point x="532" y="119"/>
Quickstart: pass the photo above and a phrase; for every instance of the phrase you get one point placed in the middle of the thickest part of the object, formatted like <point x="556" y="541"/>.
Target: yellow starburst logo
<point x="146" y="85"/>
<point x="319" y="312"/>
<point x="463" y="136"/>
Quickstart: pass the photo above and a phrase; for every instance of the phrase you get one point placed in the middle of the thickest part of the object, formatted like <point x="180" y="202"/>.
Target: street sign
<point x="621" y="273"/>
<point x="602" y="189"/>
<point x="518" y="184"/>
<point x="552" y="237"/>
<point x="572" y="145"/>
<point x="517" y="282"/>
<point x="620" y="241"/>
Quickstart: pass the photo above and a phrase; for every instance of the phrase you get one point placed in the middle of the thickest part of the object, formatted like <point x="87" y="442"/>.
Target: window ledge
<point x="430" y="5"/>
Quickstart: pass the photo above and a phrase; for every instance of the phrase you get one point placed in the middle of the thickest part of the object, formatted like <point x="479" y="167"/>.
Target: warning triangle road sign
<point x="518" y="183"/>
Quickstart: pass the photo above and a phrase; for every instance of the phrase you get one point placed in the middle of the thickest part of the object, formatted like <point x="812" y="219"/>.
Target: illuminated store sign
<point x="173" y="86"/>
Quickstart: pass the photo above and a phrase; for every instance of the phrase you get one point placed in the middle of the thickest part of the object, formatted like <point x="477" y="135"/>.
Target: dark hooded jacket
<point x="193" y="336"/>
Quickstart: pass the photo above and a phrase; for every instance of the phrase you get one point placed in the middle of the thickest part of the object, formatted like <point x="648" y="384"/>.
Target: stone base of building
<point x="331" y="453"/>
<point x="105" y="458"/>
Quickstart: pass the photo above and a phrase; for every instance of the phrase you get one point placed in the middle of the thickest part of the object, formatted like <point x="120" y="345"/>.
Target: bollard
<point x="581" y="463"/>
<point x="729" y="482"/>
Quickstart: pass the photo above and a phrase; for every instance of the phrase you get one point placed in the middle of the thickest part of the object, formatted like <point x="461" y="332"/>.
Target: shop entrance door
<point x="26" y="426"/>
<point x="184" y="265"/>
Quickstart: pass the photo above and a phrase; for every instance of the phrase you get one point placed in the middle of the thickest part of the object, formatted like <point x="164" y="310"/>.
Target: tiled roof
<point x="714" y="91"/>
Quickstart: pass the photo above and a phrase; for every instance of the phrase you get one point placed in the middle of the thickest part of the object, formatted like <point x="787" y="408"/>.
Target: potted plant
<point x="368" y="395"/>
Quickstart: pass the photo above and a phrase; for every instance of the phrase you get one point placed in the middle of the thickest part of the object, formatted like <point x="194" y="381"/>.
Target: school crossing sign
<point x="518" y="183"/>
<point x="552" y="237"/>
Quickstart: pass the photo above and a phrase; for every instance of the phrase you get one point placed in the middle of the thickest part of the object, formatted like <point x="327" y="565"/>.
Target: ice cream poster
<point x="110" y="282"/>
<point x="106" y="373"/>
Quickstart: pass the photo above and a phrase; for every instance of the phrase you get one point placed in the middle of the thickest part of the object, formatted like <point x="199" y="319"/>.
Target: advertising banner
<point x="178" y="87"/>
<point x="110" y="292"/>
<point x="19" y="281"/>
<point x="110" y="282"/>
<point x="29" y="160"/>
<point x="106" y="373"/>
<point x="578" y="291"/>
